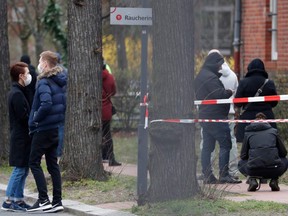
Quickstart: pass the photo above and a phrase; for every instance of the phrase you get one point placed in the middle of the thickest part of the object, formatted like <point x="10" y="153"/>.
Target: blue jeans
<point x="16" y="184"/>
<point x="213" y="132"/>
<point x="61" y="140"/>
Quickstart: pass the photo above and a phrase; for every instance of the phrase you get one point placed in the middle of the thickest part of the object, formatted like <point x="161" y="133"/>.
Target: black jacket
<point x="262" y="146"/>
<point x="20" y="141"/>
<point x="208" y="86"/>
<point x="248" y="87"/>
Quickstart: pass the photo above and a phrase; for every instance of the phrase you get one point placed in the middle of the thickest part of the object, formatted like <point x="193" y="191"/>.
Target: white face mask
<point x="28" y="80"/>
<point x="40" y="69"/>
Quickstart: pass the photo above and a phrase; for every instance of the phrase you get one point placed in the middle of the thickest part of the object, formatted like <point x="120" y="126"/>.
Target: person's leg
<point x="208" y="148"/>
<point x="60" y="143"/>
<point x="38" y="149"/>
<point x="221" y="133"/>
<point x="19" y="192"/>
<point x="106" y="143"/>
<point x="233" y="161"/>
<point x="109" y="144"/>
<point x="11" y="187"/>
<point x="53" y="166"/>
<point x="14" y="191"/>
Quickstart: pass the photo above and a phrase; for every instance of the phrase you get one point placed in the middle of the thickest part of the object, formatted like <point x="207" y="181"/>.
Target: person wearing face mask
<point x="47" y="114"/>
<point x="20" y="141"/>
<point x="208" y="86"/>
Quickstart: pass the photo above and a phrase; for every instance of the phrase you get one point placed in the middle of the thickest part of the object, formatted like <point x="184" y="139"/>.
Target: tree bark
<point x="82" y="155"/>
<point x="4" y="81"/>
<point x="172" y="158"/>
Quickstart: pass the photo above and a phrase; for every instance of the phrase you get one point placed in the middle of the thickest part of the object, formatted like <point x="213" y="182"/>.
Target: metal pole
<point x="142" y="133"/>
<point x="237" y="40"/>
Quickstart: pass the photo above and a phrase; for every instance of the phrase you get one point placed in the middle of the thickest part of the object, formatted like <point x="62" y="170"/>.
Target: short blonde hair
<point x="50" y="58"/>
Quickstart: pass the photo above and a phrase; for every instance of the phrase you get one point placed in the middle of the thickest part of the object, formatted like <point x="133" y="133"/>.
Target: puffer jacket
<point x="262" y="146"/>
<point x="208" y="86"/>
<point x="49" y="104"/>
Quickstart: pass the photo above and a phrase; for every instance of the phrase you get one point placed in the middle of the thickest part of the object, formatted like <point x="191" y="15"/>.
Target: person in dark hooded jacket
<point x="248" y="87"/>
<point x="47" y="114"/>
<point x="263" y="154"/>
<point x="208" y="86"/>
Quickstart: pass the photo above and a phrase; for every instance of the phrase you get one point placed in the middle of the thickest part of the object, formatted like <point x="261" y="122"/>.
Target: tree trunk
<point x="4" y="81"/>
<point x="24" y="45"/>
<point x="82" y="155"/>
<point x="172" y="158"/>
<point x="119" y="35"/>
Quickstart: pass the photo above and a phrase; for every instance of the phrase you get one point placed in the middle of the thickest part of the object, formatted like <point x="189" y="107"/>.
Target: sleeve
<point x="45" y="102"/>
<point x="217" y="90"/>
<point x="272" y="91"/>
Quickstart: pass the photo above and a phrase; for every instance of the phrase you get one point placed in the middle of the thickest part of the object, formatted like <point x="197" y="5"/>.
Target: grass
<point x="222" y="207"/>
<point x="125" y="147"/>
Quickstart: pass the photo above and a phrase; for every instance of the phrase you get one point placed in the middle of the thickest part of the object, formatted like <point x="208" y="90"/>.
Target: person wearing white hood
<point x="230" y="81"/>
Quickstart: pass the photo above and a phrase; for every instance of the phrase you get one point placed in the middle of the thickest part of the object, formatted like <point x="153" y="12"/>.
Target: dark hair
<point x="260" y="115"/>
<point x="16" y="70"/>
<point x="50" y="57"/>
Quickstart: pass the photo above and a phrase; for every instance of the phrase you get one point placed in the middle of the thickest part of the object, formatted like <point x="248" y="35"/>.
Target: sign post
<point x="143" y="17"/>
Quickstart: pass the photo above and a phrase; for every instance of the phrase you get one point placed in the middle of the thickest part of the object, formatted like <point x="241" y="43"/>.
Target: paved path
<point x="239" y="191"/>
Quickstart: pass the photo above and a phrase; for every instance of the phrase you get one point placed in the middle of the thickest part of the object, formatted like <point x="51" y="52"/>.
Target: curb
<point x="75" y="207"/>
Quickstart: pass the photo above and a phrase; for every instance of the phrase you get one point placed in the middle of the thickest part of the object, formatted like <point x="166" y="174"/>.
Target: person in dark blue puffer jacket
<point x="47" y="114"/>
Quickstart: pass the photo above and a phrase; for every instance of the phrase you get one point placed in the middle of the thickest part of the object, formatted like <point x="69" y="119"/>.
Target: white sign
<point x="130" y="16"/>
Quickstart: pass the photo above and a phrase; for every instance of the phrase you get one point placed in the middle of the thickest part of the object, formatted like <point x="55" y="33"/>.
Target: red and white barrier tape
<point x="188" y="121"/>
<point x="243" y="100"/>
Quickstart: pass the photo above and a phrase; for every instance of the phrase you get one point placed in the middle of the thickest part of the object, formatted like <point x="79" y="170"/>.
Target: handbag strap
<point x="259" y="91"/>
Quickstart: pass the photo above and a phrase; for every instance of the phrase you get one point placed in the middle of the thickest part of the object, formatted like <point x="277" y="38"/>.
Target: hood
<point x="25" y="59"/>
<point x="213" y="62"/>
<point x="256" y="66"/>
<point x="258" y="126"/>
<point x="225" y="71"/>
<point x="57" y="75"/>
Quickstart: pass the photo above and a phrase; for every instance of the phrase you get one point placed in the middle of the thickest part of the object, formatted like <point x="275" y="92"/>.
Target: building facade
<point x="264" y="33"/>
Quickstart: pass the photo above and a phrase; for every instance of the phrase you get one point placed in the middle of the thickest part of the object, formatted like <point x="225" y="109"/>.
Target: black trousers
<point x="268" y="173"/>
<point x="107" y="141"/>
<point x="45" y="143"/>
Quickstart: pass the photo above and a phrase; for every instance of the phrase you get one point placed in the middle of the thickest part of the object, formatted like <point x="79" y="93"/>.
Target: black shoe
<point x="253" y="184"/>
<point x="40" y="206"/>
<point x="210" y="179"/>
<point x="274" y="185"/>
<point x="57" y="207"/>
<point x="113" y="162"/>
<point x="229" y="180"/>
